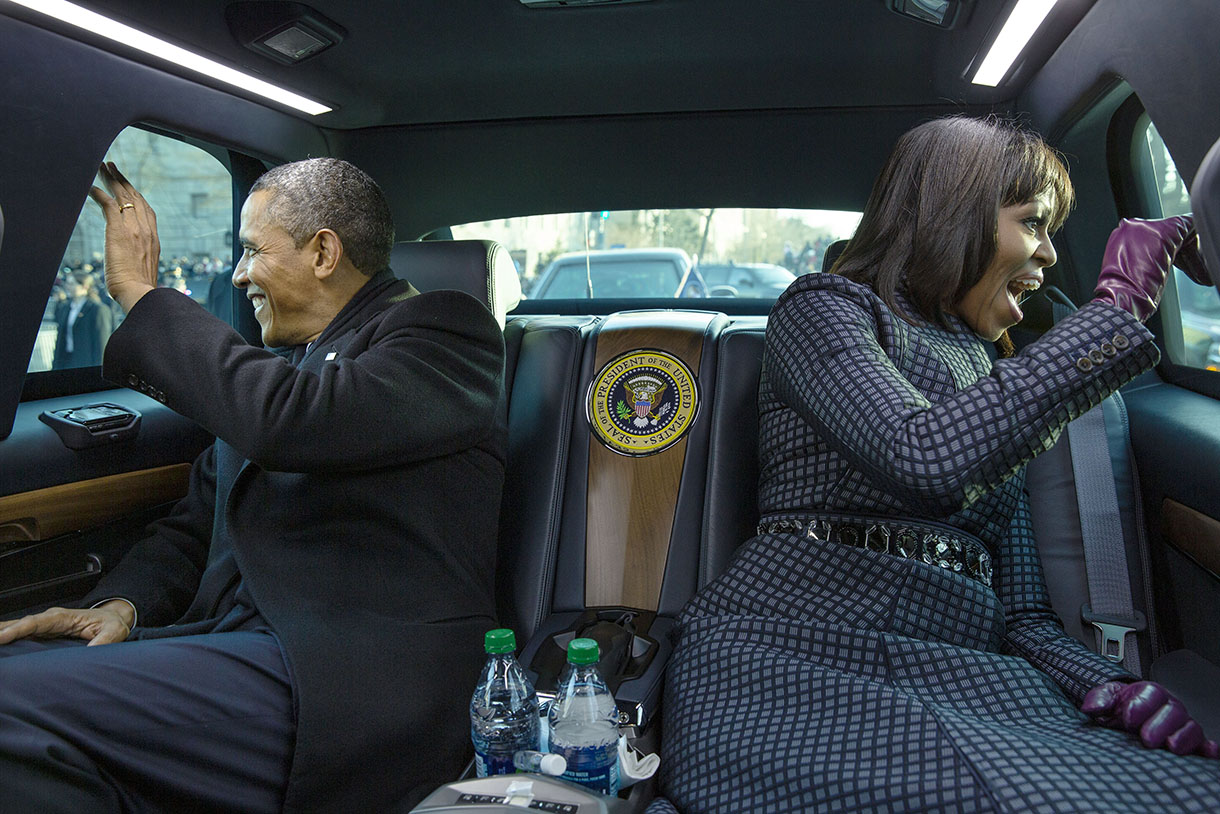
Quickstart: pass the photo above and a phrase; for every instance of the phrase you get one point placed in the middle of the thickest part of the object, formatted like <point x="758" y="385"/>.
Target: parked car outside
<point x="620" y="273"/>
<point x="754" y="280"/>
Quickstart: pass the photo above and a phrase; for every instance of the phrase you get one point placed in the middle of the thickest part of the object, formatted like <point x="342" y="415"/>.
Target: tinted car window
<point x="773" y="275"/>
<point x="751" y="253"/>
<point x="755" y="280"/>
<point x="611" y="278"/>
<point x="192" y="194"/>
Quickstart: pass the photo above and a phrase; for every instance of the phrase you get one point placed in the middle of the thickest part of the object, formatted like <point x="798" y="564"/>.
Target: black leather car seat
<point x="481" y="268"/>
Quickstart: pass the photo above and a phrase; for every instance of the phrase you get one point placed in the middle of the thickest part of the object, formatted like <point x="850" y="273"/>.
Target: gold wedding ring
<point x="127" y="206"/>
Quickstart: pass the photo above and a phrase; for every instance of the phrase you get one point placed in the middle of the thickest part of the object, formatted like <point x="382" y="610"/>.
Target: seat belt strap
<point x="1110" y="609"/>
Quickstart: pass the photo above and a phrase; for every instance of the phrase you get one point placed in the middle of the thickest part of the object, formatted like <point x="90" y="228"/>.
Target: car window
<point x="1196" y="322"/>
<point x="767" y="247"/>
<point x="192" y="193"/>
<point x="610" y="277"/>
<point x="771" y="275"/>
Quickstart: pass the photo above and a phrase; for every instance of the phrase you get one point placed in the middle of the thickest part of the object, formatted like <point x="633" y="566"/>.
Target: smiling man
<point x="302" y="631"/>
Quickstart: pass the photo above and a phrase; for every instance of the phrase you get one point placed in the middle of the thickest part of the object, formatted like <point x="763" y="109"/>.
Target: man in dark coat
<point x="303" y="630"/>
<point x="84" y="324"/>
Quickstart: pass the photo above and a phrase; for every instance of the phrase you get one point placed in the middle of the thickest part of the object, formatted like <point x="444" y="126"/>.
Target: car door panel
<point x="1175" y="435"/>
<point x="66" y="516"/>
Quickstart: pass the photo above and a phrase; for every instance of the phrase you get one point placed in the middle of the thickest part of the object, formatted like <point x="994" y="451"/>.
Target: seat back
<point x="481" y="268"/>
<point x="543" y="364"/>
<point x="730" y="504"/>
<point x="832" y="254"/>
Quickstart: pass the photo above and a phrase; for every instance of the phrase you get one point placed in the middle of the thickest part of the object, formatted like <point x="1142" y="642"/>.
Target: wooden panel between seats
<point x="1193" y="533"/>
<point x="631" y="501"/>
<point x="45" y="513"/>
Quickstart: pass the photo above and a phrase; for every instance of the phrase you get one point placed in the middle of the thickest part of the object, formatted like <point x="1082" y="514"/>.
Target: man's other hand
<point x="105" y="624"/>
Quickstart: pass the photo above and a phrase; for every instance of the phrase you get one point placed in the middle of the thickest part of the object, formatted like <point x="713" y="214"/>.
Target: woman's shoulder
<point x="830" y="311"/>
<point x="824" y="292"/>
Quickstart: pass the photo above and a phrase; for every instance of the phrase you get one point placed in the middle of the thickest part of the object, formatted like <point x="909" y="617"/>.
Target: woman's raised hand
<point x="1138" y="258"/>
<point x="1147" y="709"/>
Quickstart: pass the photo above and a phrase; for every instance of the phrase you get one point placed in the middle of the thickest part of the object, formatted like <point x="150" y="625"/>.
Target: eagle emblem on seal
<point x="642" y="402"/>
<point x="644" y="392"/>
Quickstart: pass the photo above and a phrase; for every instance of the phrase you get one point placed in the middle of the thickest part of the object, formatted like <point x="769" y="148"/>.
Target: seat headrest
<point x="832" y="254"/>
<point x="481" y="268"/>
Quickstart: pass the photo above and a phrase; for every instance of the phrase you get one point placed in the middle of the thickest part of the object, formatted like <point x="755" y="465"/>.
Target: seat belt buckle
<point x="1112" y="631"/>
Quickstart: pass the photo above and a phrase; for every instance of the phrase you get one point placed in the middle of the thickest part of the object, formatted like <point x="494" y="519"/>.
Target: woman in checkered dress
<point x="886" y="642"/>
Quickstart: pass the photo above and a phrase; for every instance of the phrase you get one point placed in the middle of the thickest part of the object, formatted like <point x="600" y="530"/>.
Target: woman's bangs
<point x="1038" y="169"/>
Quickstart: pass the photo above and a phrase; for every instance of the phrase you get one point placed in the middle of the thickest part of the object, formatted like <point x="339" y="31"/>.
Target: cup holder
<point x="621" y="635"/>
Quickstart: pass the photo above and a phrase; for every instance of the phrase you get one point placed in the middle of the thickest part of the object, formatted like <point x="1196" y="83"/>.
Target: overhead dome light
<point x="73" y="14"/>
<point x="940" y="13"/>
<point x="285" y="32"/>
<point x="1024" y="20"/>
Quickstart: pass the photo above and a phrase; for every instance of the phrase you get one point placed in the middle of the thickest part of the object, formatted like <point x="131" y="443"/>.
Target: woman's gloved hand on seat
<point x="1148" y="709"/>
<point x="1138" y="257"/>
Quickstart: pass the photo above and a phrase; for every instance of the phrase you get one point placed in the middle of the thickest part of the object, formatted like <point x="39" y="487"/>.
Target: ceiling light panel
<point x="83" y="18"/>
<point x="1024" y="20"/>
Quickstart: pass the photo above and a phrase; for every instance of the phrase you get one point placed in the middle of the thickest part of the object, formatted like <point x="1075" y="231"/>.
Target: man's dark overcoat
<point x="89" y="333"/>
<point x="356" y="497"/>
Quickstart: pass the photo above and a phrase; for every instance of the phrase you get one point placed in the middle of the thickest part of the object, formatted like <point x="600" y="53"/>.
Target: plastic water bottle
<point x="584" y="721"/>
<point x="503" y="710"/>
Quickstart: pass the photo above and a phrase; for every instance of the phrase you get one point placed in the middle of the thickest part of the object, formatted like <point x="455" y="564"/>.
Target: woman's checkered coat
<point x="814" y="676"/>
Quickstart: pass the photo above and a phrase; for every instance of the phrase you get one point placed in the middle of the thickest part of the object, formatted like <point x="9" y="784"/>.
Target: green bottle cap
<point x="583" y="651"/>
<point x="500" y="640"/>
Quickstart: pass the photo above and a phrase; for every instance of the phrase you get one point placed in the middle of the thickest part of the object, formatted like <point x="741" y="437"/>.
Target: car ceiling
<point x="433" y="61"/>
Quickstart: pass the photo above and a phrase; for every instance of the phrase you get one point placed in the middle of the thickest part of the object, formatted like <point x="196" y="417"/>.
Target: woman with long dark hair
<point x="886" y="642"/>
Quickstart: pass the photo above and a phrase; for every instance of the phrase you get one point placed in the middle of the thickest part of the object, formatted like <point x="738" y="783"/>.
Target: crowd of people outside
<point x="809" y="259"/>
<point x="80" y="315"/>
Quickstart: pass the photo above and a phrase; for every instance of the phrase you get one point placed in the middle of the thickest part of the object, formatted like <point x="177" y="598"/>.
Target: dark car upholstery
<point x="481" y="268"/>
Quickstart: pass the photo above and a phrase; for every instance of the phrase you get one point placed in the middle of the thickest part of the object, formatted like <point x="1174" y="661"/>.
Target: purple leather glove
<point x="1147" y="709"/>
<point x="1137" y="260"/>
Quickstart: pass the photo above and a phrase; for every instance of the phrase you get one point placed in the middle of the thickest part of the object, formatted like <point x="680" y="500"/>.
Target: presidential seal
<point x="642" y="402"/>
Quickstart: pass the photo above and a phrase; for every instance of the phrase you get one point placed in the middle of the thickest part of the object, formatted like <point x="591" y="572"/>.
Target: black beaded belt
<point x="940" y="547"/>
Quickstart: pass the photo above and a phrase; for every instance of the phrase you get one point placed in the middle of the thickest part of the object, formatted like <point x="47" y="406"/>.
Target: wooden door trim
<point x="45" y="513"/>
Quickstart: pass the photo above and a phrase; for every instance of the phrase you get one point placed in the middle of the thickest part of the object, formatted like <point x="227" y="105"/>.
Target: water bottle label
<point x="594" y="767"/>
<point x="486" y="765"/>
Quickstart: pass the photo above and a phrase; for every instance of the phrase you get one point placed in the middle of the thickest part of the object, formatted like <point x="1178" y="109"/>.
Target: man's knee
<point x="40" y="768"/>
<point x="23" y="677"/>
<point x="33" y="665"/>
<point x="44" y="774"/>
